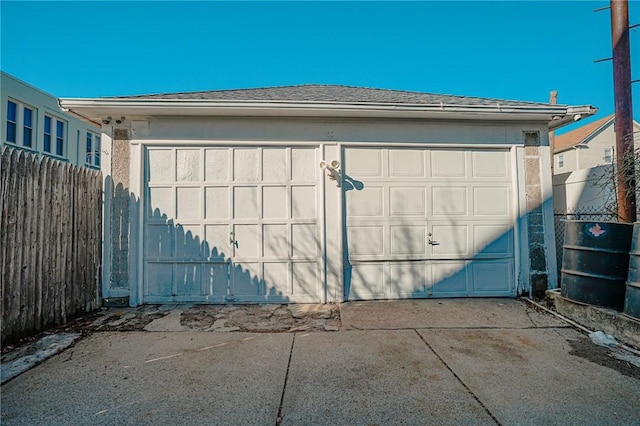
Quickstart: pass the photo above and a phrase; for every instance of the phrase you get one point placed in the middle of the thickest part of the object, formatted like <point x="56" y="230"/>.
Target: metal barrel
<point x="632" y="295"/>
<point x="595" y="262"/>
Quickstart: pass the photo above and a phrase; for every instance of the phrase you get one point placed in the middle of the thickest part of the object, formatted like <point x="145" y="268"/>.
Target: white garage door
<point x="428" y="223"/>
<point x="231" y="224"/>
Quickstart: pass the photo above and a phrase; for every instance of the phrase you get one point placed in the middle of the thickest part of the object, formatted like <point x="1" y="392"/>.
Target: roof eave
<point x="101" y="108"/>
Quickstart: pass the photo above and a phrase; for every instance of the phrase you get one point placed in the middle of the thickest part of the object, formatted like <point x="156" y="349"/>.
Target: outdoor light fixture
<point x="332" y="169"/>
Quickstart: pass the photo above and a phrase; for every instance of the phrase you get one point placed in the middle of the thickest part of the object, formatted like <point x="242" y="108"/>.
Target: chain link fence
<point x="586" y="213"/>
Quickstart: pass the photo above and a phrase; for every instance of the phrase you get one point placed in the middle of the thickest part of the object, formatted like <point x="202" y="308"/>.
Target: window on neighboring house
<point x="93" y="149"/>
<point x="59" y="137"/>
<point x="27" y="131"/>
<point x="54" y="135"/>
<point x="608" y="155"/>
<point x="560" y="161"/>
<point x="12" y="121"/>
<point x="47" y="133"/>
<point x="21" y="119"/>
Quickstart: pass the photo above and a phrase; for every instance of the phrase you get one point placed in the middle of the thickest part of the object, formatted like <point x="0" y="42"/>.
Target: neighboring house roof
<point x="579" y="135"/>
<point x="316" y="100"/>
<point x="332" y="93"/>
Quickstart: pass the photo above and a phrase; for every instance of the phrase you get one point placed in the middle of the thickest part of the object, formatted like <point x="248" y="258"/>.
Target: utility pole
<point x="553" y="100"/>
<point x="623" y="111"/>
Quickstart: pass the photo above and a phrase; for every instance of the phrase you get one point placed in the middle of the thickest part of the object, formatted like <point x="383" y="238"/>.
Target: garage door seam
<point x="284" y="386"/>
<point x="457" y="377"/>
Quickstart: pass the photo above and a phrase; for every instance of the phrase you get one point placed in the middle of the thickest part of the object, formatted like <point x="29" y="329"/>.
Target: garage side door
<point x="235" y="224"/>
<point x="428" y="223"/>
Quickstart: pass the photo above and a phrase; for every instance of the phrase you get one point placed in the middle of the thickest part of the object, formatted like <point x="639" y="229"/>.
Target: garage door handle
<point x="434" y="243"/>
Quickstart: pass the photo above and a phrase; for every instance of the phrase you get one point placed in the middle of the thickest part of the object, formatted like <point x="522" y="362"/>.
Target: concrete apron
<point x="436" y="362"/>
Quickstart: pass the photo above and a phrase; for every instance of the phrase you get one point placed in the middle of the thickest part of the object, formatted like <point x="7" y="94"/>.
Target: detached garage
<point x="315" y="193"/>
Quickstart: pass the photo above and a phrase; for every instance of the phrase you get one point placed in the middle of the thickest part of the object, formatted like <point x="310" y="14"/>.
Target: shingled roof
<point x="332" y="93"/>
<point x="578" y="135"/>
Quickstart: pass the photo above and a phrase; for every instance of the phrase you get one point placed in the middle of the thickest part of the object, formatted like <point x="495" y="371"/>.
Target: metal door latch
<point x="434" y="243"/>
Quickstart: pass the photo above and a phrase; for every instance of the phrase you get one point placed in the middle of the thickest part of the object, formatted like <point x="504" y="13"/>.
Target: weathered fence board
<point x="50" y="242"/>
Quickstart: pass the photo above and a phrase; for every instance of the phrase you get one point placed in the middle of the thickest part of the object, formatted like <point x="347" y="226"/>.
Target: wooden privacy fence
<point x="50" y="242"/>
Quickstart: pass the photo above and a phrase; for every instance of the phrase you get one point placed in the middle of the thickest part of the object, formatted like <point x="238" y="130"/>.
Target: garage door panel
<point x="275" y="240"/>
<point x="303" y="165"/>
<point x="453" y="240"/>
<point x="159" y="279"/>
<point x="245" y="165"/>
<point x="305" y="279"/>
<point x="492" y="240"/>
<point x="408" y="279"/>
<point x="188" y="164"/>
<point x="364" y="163"/>
<point x="188" y="280"/>
<point x="188" y="203"/>
<point x="277" y="278"/>
<point x="449" y="200"/>
<point x="449" y="278"/>
<point x="303" y="202"/>
<point x="274" y="165"/>
<point x="216" y="279"/>
<point x="304" y="240"/>
<point x="491" y="201"/>
<point x="366" y="240"/>
<point x="217" y="203"/>
<point x="217" y="239"/>
<point x="188" y="241"/>
<point x="246" y="241"/>
<point x="275" y="202"/>
<point x="246" y="279"/>
<point x="367" y="202"/>
<point x="407" y="201"/>
<point x="160" y="166"/>
<point x="160" y="203"/>
<point x="245" y="202"/>
<point x="491" y="277"/>
<point x="408" y="240"/>
<point x="448" y="164"/>
<point x="159" y="241"/>
<point x="407" y="163"/>
<point x="217" y="165"/>
<point x="368" y="281"/>
<point x="490" y="164"/>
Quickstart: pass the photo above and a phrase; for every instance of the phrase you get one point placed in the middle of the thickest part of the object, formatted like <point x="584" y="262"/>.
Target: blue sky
<point x="498" y="49"/>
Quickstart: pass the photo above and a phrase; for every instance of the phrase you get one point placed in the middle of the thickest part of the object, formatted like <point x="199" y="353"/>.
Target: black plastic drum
<point x="595" y="262"/>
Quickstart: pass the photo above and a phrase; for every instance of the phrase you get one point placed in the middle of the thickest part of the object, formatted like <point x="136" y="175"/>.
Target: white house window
<point x="47" y="133"/>
<point x="54" y="135"/>
<point x="12" y="121"/>
<point x="20" y="123"/>
<point x="59" y="137"/>
<point x="93" y="149"/>
<point x="608" y="155"/>
<point x="27" y="132"/>
<point x="560" y="161"/>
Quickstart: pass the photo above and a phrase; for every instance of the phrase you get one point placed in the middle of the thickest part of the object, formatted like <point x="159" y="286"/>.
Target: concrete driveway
<point x="488" y="361"/>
